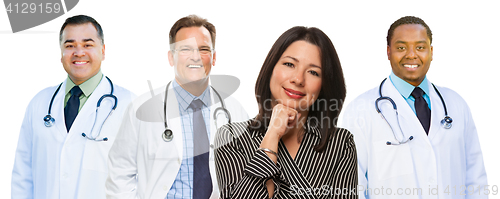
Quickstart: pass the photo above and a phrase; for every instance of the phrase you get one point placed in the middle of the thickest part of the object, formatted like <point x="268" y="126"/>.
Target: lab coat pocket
<point x="158" y="150"/>
<point x="92" y="184"/>
<point x="391" y="161"/>
<point x="95" y="156"/>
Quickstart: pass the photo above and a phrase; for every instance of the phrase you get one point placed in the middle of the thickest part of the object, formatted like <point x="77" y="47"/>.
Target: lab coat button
<point x="212" y="146"/>
<point x="65" y="175"/>
<point x="432" y="181"/>
<point x="179" y="160"/>
<point x="165" y="188"/>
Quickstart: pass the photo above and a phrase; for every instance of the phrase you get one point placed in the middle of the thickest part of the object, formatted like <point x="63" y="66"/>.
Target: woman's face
<point x="296" y="78"/>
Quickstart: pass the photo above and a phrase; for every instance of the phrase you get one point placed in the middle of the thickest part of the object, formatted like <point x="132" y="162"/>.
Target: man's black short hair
<point x="82" y="19"/>
<point x="407" y="20"/>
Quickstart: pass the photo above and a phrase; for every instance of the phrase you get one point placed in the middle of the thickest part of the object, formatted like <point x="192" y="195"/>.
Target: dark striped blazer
<point x="242" y="171"/>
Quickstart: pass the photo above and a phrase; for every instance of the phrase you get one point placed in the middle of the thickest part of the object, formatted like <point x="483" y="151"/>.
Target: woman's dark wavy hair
<point x="332" y="88"/>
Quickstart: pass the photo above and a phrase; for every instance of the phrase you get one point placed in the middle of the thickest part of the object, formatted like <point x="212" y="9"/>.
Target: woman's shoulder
<point x="343" y="132"/>
<point x="235" y="128"/>
<point x="343" y="135"/>
<point x="231" y="131"/>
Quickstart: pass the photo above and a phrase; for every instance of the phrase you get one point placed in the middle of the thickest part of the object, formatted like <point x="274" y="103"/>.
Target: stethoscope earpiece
<point x="103" y="139"/>
<point x="401" y="142"/>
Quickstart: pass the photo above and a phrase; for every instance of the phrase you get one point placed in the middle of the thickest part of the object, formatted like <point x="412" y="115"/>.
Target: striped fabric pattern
<point x="242" y="171"/>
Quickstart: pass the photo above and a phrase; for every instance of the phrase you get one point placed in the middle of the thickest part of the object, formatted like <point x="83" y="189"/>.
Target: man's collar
<point x="87" y="87"/>
<point x="405" y="88"/>
<point x="184" y="98"/>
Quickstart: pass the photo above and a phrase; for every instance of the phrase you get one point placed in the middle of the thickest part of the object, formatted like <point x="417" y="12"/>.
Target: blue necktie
<point x="422" y="109"/>
<point x="72" y="106"/>
<point x="202" y="182"/>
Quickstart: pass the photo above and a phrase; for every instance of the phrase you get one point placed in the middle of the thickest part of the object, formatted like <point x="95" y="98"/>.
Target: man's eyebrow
<point x="404" y="42"/>
<point x="184" y="46"/>
<point x="69" y="41"/>
<point x="84" y="40"/>
<point x="189" y="45"/>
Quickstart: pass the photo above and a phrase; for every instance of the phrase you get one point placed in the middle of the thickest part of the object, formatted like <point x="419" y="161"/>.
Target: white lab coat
<point x="52" y="163"/>
<point x="442" y="164"/>
<point x="141" y="163"/>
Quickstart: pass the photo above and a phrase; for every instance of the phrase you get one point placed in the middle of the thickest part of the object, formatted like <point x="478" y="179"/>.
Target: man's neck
<point x="196" y="88"/>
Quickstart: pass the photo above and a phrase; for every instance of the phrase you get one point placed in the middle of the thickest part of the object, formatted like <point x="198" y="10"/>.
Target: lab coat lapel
<point x="57" y="111"/>
<point x="437" y="113"/>
<point x="222" y="118"/>
<point x="174" y="121"/>
<point x="214" y="104"/>
<point x="85" y="119"/>
<point x="408" y="119"/>
<point x="163" y="173"/>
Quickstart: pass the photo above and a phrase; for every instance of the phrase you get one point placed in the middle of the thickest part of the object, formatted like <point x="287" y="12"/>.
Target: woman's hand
<point x="282" y="118"/>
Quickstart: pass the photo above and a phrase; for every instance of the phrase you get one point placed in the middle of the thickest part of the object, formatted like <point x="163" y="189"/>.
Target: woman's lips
<point x="293" y="93"/>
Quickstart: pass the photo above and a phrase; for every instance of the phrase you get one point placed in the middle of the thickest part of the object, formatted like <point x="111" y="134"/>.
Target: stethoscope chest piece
<point x="446" y="122"/>
<point x="167" y="135"/>
<point x="48" y="120"/>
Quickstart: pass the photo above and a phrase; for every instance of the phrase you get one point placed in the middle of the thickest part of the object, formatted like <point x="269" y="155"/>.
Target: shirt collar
<point x="87" y="87"/>
<point x="405" y="88"/>
<point x="184" y="98"/>
<point x="313" y="129"/>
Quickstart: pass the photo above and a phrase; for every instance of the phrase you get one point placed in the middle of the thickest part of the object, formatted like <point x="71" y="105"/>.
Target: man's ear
<point x="213" y="59"/>
<point x="103" y="50"/>
<point x="432" y="52"/>
<point x="170" y="58"/>
<point x="388" y="52"/>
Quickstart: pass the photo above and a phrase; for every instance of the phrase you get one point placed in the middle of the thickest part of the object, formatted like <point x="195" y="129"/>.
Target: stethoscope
<point x="445" y="122"/>
<point x="168" y="135"/>
<point x="49" y="120"/>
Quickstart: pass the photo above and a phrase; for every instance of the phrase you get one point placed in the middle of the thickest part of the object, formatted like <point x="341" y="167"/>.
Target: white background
<point x="466" y="52"/>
